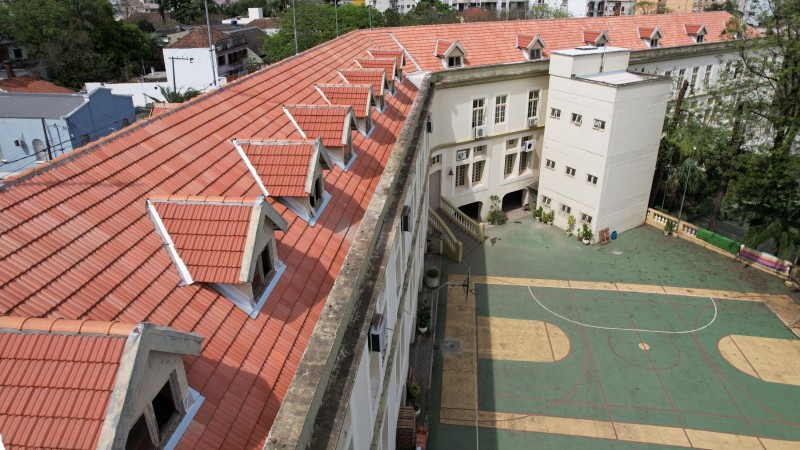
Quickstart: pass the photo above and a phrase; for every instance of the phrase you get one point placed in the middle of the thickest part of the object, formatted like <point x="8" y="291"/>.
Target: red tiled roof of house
<point x="524" y="40"/>
<point x="32" y="85"/>
<point x="77" y="241"/>
<point x="375" y="77"/>
<point x="477" y="14"/>
<point x="693" y="28"/>
<point x="209" y="233"/>
<point x="398" y="55"/>
<point x="357" y="96"/>
<point x="162" y="108"/>
<point x="488" y="42"/>
<point x="326" y="122"/>
<point x="646" y="32"/>
<point x="442" y="46"/>
<point x="56" y="379"/>
<point x="265" y="23"/>
<point x="387" y="64"/>
<point x="282" y="166"/>
<point x="198" y="38"/>
<point x="593" y="35"/>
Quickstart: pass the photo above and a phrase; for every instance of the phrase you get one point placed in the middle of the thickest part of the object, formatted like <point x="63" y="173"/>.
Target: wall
<point x="196" y="74"/>
<point x="139" y="92"/>
<point x="451" y="118"/>
<point x="26" y="131"/>
<point x="104" y="114"/>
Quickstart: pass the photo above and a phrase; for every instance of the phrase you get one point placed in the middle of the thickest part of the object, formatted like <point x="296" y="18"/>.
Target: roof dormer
<point x="696" y="32"/>
<point x="398" y="55"/>
<point x="393" y="71"/>
<point x="650" y="36"/>
<point x="225" y="242"/>
<point x="451" y="53"/>
<point x="331" y="123"/>
<point x="115" y="385"/>
<point x="596" y="38"/>
<point x="374" y="77"/>
<point x="291" y="172"/>
<point x="359" y="96"/>
<point x="532" y="46"/>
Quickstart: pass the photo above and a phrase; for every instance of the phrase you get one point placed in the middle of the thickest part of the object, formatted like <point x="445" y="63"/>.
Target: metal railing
<point x="463" y="221"/>
<point x="452" y="247"/>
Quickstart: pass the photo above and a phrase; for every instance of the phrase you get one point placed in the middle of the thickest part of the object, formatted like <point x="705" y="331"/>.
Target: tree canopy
<point x="78" y="40"/>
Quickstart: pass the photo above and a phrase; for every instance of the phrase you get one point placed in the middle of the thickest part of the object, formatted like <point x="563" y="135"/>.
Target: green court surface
<point x="639" y="370"/>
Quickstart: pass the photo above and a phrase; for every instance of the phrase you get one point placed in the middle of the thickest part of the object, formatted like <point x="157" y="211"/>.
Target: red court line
<point x="745" y="358"/>
<point x="656" y="372"/>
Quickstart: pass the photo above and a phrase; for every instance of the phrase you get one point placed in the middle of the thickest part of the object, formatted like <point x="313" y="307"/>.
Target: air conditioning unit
<point x="533" y="121"/>
<point x="529" y="146"/>
<point x="462" y="154"/>
<point x="480" y="132"/>
<point x="377" y="333"/>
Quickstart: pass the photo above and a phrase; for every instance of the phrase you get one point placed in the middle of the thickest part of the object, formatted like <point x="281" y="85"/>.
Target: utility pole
<point x="686" y="185"/>
<point x="211" y="48"/>
<point x="294" y="19"/>
<point x="172" y="60"/>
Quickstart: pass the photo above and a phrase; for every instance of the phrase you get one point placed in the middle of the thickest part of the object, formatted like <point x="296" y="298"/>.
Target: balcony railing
<point x="463" y="221"/>
<point x="452" y="246"/>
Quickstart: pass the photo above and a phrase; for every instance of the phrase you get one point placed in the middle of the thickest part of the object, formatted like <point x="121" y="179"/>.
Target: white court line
<point x="641" y="330"/>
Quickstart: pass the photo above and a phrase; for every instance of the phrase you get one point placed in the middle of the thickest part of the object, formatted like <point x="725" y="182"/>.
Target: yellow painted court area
<point x="621" y="431"/>
<point x="468" y="338"/>
<point x="521" y="340"/>
<point x="773" y="360"/>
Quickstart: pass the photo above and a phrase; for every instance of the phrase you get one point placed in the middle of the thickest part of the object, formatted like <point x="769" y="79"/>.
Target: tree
<point x="728" y="6"/>
<point x="427" y="12"/>
<point x="176" y="96"/>
<point x="316" y="23"/>
<point x="645" y="7"/>
<point x="78" y="40"/>
<point x="545" y="11"/>
<point x="185" y="11"/>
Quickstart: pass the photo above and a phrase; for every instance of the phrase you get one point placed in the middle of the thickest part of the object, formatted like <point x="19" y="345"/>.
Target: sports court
<point x="641" y="354"/>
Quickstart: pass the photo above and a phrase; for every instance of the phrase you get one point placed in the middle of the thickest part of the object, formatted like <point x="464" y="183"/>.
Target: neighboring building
<point x="191" y="64"/>
<point x="93" y="384"/>
<point x="35" y="128"/>
<point x="14" y="57"/>
<point x="576" y="8"/>
<point x="680" y="6"/>
<point x="402" y="6"/>
<point x="274" y="220"/>
<point x="32" y="85"/>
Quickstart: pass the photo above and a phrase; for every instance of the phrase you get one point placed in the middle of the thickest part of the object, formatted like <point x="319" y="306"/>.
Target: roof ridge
<point x="317" y="106"/>
<point x="278" y="142"/>
<point x="249" y="200"/>
<point x="67" y="326"/>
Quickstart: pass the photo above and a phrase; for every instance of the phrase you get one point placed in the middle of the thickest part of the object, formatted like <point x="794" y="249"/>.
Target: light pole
<point x="211" y="53"/>
<point x="172" y="59"/>
<point x="685" y="185"/>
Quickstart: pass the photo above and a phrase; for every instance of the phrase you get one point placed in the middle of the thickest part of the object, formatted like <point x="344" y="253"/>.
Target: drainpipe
<point x="48" y="149"/>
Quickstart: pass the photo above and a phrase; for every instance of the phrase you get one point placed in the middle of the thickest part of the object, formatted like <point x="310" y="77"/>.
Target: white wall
<point x="23" y="156"/>
<point x="138" y="91"/>
<point x="196" y="74"/>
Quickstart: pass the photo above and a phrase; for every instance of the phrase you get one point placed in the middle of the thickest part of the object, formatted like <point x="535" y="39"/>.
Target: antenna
<point x="210" y="48"/>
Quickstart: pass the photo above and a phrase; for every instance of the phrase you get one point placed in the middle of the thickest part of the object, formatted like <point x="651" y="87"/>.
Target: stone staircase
<point x="468" y="242"/>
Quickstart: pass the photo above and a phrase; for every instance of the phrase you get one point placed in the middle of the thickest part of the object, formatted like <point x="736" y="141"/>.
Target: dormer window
<point x="595" y="38"/>
<point x="227" y="243"/>
<point x="290" y="172"/>
<point x="358" y="96"/>
<point x="373" y="77"/>
<point x="696" y="32"/>
<point x="393" y="71"/>
<point x="650" y="36"/>
<point x="451" y="53"/>
<point x="331" y="123"/>
<point x="531" y="46"/>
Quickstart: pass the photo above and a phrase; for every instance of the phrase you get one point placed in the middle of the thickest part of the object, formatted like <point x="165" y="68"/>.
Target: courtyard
<point x="648" y="341"/>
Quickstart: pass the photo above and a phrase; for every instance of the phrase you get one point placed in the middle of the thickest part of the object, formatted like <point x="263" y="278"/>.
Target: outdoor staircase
<point x="468" y="241"/>
<point x="460" y="234"/>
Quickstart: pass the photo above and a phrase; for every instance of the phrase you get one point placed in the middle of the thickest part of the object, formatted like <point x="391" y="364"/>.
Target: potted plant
<point x="669" y="227"/>
<point x="570" y="224"/>
<point x="432" y="278"/>
<point x="551" y="216"/>
<point x="413" y="391"/>
<point x="496" y="215"/>
<point x="424" y="319"/>
<point x="586" y="234"/>
<point x="537" y="213"/>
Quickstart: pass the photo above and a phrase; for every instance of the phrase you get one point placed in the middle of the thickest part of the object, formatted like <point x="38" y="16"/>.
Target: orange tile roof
<point x="209" y="233"/>
<point x="77" y="241"/>
<point x="489" y="42"/>
<point x="398" y="55"/>
<point x="282" y="166"/>
<point x="594" y="35"/>
<point x="693" y="28"/>
<point x="33" y="85"/>
<point x="56" y="379"/>
<point x="442" y="46"/>
<point x="357" y="96"/>
<point x="375" y="77"/>
<point x="646" y="32"/>
<point x="198" y="38"/>
<point x="524" y="40"/>
<point x="387" y="64"/>
<point x="326" y="122"/>
<point x="162" y="108"/>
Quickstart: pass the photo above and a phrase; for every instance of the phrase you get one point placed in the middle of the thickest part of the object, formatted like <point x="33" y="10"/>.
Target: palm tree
<point x="176" y="96"/>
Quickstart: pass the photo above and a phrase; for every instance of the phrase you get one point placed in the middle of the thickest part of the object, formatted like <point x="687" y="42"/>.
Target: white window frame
<point x="564" y="209"/>
<point x="479" y="111"/>
<point x="454" y="62"/>
<point x="473" y="156"/>
<point x="534" y="101"/>
<point x="570" y="171"/>
<point x="500" y="109"/>
<point x="585" y="216"/>
<point x="535" y="54"/>
<point x="546" y="201"/>
<point x="463" y="185"/>
<point x="577" y="119"/>
<point x="550" y="164"/>
<point x="591" y="179"/>
<point x="509" y="172"/>
<point x="555" y="113"/>
<point x="707" y="75"/>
